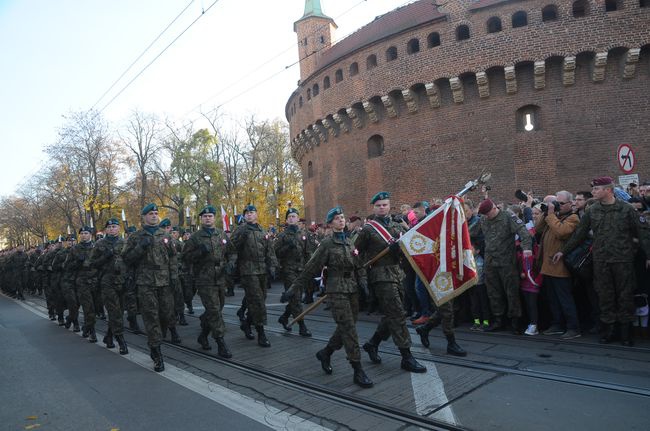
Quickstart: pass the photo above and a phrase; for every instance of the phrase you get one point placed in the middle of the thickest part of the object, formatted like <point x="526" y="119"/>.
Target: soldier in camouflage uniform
<point x="85" y="280"/>
<point x="106" y="259"/>
<point x="174" y="282"/>
<point x="210" y="253"/>
<point x="47" y="278"/>
<point x="58" y="270"/>
<point x="31" y="268"/>
<point x="292" y="252"/>
<point x="501" y="272"/>
<point x="17" y="264"/>
<point x="340" y="257"/>
<point x="69" y="287"/>
<point x="256" y="262"/>
<point x="615" y="225"/>
<point x="130" y="293"/>
<point x="152" y="255"/>
<point x="385" y="280"/>
<point x="185" y="277"/>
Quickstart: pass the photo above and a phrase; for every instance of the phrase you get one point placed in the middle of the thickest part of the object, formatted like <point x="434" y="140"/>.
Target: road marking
<point x="429" y="393"/>
<point x="259" y="411"/>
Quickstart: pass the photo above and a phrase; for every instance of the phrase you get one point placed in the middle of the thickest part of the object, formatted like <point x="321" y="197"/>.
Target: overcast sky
<point x="60" y="56"/>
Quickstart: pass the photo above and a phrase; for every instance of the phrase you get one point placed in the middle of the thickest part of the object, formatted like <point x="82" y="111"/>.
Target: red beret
<point x="354" y="218"/>
<point x="485" y="206"/>
<point x="602" y="181"/>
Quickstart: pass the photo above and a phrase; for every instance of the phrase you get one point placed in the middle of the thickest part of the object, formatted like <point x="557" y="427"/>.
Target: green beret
<point x="86" y="229"/>
<point x="291" y="211"/>
<point x="71" y="237"/>
<point x="165" y="222"/>
<point x="333" y="213"/>
<point x="148" y="208"/>
<point x="208" y="210"/>
<point x="112" y="222"/>
<point x="380" y="197"/>
<point x="250" y="208"/>
<point x="131" y="229"/>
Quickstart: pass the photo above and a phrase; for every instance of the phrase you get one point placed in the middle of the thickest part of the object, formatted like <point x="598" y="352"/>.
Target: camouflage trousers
<point x="502" y="284"/>
<point x="57" y="302"/>
<point x="87" y="290"/>
<point x="294" y="307"/>
<point x="446" y="314"/>
<point x="71" y="297"/>
<point x="390" y="298"/>
<point x="615" y="283"/>
<point x="130" y="299"/>
<point x="213" y="298"/>
<point x="112" y="294"/>
<point x="157" y="311"/>
<point x="345" y="309"/>
<point x="187" y="285"/>
<point x="255" y="294"/>
<point x="179" y="300"/>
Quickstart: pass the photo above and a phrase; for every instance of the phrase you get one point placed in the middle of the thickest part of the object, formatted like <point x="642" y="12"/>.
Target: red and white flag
<point x="224" y="219"/>
<point x="440" y="251"/>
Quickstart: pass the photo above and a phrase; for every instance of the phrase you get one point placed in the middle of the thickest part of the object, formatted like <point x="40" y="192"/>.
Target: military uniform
<point x="69" y="291"/>
<point x="85" y="281"/>
<point x="48" y="258"/>
<point x="17" y="264"/>
<point x="56" y="282"/>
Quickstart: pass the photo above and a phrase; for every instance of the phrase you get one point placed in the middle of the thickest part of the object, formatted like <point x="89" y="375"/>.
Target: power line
<point x="141" y="55"/>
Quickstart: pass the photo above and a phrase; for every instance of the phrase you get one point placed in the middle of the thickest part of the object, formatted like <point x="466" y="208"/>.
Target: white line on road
<point x="429" y="393"/>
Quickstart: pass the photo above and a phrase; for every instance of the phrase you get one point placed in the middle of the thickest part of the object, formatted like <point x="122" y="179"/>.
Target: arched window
<point x="309" y="94"/>
<point x="549" y="13"/>
<point x="310" y="170"/>
<point x="391" y="54"/>
<point x="494" y="24"/>
<point x="375" y="146"/>
<point x="354" y="69"/>
<point x="580" y="8"/>
<point x="413" y="46"/>
<point x="371" y="62"/>
<point x="338" y="76"/>
<point x="613" y="5"/>
<point x="644" y="3"/>
<point x="300" y="102"/>
<point x="462" y="32"/>
<point x="519" y="19"/>
<point x="433" y="40"/>
<point x="528" y="118"/>
<point x="326" y="83"/>
<point x="315" y="90"/>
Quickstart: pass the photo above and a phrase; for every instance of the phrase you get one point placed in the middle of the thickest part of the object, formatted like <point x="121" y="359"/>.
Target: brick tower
<point x="315" y="32"/>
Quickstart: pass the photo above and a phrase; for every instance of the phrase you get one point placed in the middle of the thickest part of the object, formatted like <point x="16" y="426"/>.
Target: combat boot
<point x="157" y="358"/>
<point x="122" y="343"/>
<point x="190" y="309"/>
<point x="423" y="330"/>
<point x="360" y="377"/>
<point x="246" y="327"/>
<point x="409" y="363"/>
<point x="108" y="339"/>
<point x="495" y="325"/>
<point x="181" y="319"/>
<point x="241" y="313"/>
<point x="175" y="338"/>
<point x="261" y="337"/>
<point x="222" y="348"/>
<point x="203" y="338"/>
<point x="61" y="320"/>
<point x="284" y="321"/>
<point x="607" y="335"/>
<point x="303" y="331"/>
<point x="372" y="348"/>
<point x="133" y="324"/>
<point x="230" y="291"/>
<point x="453" y="348"/>
<point x="626" y="334"/>
<point x="92" y="337"/>
<point x="75" y="326"/>
<point x="85" y="331"/>
<point x="68" y="322"/>
<point x="324" y="356"/>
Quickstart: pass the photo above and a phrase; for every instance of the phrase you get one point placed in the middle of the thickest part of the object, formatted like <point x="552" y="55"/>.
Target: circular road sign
<point x="626" y="159"/>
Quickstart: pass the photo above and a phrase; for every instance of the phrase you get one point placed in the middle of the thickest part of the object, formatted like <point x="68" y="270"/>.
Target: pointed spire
<point x="313" y="8"/>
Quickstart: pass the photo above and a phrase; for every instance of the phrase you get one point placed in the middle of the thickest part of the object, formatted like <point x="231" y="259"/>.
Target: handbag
<point x="580" y="262"/>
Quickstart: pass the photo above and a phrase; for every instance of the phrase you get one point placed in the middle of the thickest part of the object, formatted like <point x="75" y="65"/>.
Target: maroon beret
<point x="602" y="181"/>
<point x="485" y="206"/>
<point x="354" y="218"/>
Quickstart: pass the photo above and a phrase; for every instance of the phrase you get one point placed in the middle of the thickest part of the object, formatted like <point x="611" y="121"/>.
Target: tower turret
<point x="315" y="32"/>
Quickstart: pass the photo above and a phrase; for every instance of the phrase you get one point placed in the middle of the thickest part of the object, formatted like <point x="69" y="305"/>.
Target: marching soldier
<point x="292" y="252"/>
<point x="17" y="263"/>
<point x="185" y="277"/>
<point x="79" y="261"/>
<point x="339" y="256"/>
<point x="175" y="284"/>
<point x="385" y="280"/>
<point x="47" y="278"/>
<point x="130" y="294"/>
<point x="209" y="252"/>
<point x="105" y="258"/>
<point x="152" y="255"/>
<point x="69" y="288"/>
<point x="58" y="271"/>
<point x="256" y="261"/>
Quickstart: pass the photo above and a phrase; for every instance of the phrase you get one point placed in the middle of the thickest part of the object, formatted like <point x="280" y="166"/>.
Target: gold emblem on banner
<point x="444" y="281"/>
<point x="418" y="243"/>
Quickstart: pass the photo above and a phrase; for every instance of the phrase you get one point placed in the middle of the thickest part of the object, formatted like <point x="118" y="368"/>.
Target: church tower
<point x="315" y="32"/>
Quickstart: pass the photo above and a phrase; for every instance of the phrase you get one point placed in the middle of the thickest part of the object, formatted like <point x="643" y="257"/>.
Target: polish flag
<point x="224" y="219"/>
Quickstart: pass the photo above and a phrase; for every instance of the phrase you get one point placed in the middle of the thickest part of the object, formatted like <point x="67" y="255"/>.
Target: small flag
<point x="224" y="219"/>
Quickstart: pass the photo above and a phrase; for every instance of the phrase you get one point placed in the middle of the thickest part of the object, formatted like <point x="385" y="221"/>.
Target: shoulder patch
<point x="642" y="219"/>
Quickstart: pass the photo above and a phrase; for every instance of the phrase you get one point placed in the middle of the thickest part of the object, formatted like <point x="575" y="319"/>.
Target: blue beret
<point x="71" y="237"/>
<point x="112" y="221"/>
<point x="380" y="197"/>
<point x="165" y="222"/>
<point x="290" y="211"/>
<point x="174" y="228"/>
<point x="148" y="208"/>
<point x="250" y="208"/>
<point x="333" y="213"/>
<point x="86" y="229"/>
<point x="208" y="210"/>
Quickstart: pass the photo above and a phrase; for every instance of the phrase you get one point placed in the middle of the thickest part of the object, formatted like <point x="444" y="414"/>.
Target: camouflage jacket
<point x="254" y="249"/>
<point x="499" y="236"/>
<point x="370" y="243"/>
<point x="48" y="259"/>
<point x="59" y="259"/>
<point x="104" y="258"/>
<point x="208" y="253"/>
<point x="78" y="261"/>
<point x="292" y="249"/>
<point x="154" y="263"/>
<point x="614" y="227"/>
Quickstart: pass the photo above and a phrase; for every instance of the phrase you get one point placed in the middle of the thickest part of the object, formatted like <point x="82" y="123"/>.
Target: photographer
<point x="556" y="226"/>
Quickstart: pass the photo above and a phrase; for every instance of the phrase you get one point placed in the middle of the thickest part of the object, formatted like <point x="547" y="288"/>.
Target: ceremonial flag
<point x="224" y="219"/>
<point x="440" y="251"/>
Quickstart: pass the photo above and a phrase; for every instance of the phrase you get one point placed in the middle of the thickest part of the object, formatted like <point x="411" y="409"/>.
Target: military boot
<point x="133" y="324"/>
<point x="303" y="331"/>
<point x="626" y="334"/>
<point x="261" y="337"/>
<point x="246" y="327"/>
<point x="75" y="326"/>
<point x="360" y="377"/>
<point x="85" y="331"/>
<point x="108" y="339"/>
<point x="372" y="348"/>
<point x="423" y="330"/>
<point x="607" y="335"/>
<point x="92" y="336"/>
<point x="284" y="320"/>
<point x="181" y="319"/>
<point x="68" y="322"/>
<point x="222" y="348"/>
<point x="190" y="309"/>
<point x="409" y="363"/>
<point x="241" y="313"/>
<point x="495" y="325"/>
<point x="324" y="356"/>
<point x="175" y="338"/>
<point x="203" y="338"/>
<point x="157" y="358"/>
<point x="230" y="291"/>
<point x="122" y="343"/>
<point x="453" y="348"/>
<point x="61" y="320"/>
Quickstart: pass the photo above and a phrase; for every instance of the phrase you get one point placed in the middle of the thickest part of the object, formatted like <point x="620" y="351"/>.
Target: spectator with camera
<point x="615" y="225"/>
<point x="556" y="225"/>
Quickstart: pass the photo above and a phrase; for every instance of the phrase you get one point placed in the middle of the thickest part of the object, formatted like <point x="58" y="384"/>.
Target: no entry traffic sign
<point x="625" y="157"/>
